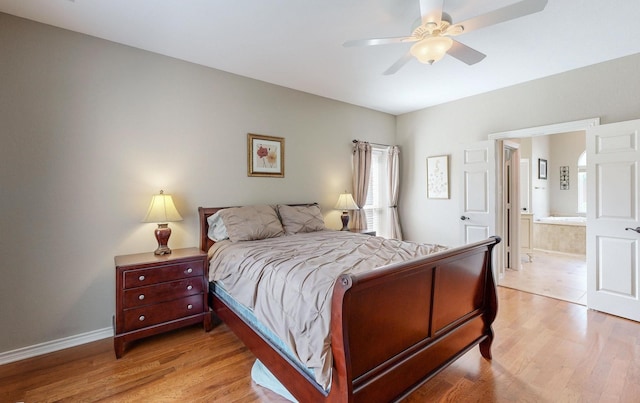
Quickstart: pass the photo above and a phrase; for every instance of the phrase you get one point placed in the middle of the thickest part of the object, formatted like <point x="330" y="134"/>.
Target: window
<point x="376" y="206"/>
<point x="582" y="183"/>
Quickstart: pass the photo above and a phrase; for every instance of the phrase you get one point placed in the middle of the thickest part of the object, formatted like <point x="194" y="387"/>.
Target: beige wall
<point x="607" y="90"/>
<point x="565" y="149"/>
<point x="91" y="129"/>
<point x="540" y="189"/>
<point x="559" y="149"/>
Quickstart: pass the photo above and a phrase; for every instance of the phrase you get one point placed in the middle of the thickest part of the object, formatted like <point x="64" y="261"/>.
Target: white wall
<point x="525" y="154"/>
<point x="607" y="90"/>
<point x="565" y="149"/>
<point x="559" y="149"/>
<point x="540" y="190"/>
<point x="91" y="129"/>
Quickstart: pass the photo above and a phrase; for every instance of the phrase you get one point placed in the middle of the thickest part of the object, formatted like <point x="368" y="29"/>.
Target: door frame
<point x="500" y="138"/>
<point x="511" y="204"/>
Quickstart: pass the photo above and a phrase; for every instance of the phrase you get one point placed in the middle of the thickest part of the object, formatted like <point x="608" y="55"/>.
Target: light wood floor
<point x="553" y="275"/>
<point x="546" y="350"/>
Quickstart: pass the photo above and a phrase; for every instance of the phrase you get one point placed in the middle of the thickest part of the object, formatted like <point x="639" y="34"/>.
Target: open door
<point x="477" y="213"/>
<point x="613" y="237"/>
<point x="510" y="175"/>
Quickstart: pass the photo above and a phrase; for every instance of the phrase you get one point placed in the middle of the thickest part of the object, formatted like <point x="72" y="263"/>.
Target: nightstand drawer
<point x="159" y="274"/>
<point x="150" y="315"/>
<point x="162" y="292"/>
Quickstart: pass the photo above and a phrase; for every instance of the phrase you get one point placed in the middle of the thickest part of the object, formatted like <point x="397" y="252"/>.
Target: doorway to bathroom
<point x="551" y="226"/>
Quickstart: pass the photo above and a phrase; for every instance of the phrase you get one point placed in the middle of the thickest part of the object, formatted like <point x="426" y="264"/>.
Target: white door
<point x="477" y="213"/>
<point x="511" y="204"/>
<point x="612" y="215"/>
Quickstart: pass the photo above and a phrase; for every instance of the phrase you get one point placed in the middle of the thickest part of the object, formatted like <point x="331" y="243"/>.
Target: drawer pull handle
<point x="141" y="318"/>
<point x="189" y="270"/>
<point x="141" y="297"/>
<point x="189" y="287"/>
<point x="141" y="278"/>
<point x="189" y="306"/>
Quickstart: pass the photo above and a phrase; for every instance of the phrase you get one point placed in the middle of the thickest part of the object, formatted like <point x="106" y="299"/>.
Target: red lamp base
<point x="163" y="232"/>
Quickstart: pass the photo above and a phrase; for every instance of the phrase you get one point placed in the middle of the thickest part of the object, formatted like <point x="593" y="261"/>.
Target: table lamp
<point x="162" y="211"/>
<point x="346" y="203"/>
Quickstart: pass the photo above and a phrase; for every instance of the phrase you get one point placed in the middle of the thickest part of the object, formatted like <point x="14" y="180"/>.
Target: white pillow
<point x="217" y="230"/>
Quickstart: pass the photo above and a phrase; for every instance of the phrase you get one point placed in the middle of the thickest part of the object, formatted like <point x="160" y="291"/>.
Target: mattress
<point x="245" y="313"/>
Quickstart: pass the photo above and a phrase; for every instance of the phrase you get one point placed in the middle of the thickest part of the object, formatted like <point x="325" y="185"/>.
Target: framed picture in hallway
<point x="542" y="168"/>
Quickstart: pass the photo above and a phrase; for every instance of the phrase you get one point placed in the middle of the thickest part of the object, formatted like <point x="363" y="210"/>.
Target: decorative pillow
<point x="299" y="219"/>
<point x="217" y="230"/>
<point x="251" y="223"/>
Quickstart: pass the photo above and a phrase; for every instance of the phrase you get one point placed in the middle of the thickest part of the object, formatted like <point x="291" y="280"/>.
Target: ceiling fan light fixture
<point x="431" y="49"/>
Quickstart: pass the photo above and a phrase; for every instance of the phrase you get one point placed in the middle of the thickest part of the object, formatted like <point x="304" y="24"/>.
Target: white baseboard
<point x="55" y="345"/>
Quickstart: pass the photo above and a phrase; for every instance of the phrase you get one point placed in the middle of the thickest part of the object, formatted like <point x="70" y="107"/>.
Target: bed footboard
<point x="394" y="328"/>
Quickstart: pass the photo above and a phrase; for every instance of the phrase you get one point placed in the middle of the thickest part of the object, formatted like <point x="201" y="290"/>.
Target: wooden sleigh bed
<point x="391" y="329"/>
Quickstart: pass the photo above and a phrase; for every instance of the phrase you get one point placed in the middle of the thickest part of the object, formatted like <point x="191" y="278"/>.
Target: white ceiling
<point x="298" y="43"/>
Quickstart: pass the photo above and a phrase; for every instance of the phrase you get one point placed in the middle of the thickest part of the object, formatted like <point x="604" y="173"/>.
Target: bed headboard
<point x="205" y="212"/>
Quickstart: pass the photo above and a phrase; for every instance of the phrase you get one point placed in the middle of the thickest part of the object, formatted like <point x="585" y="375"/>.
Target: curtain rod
<point x="377" y="144"/>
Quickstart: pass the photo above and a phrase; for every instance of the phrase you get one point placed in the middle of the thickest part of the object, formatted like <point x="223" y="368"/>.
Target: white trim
<point x="565" y="127"/>
<point x="54" y="345"/>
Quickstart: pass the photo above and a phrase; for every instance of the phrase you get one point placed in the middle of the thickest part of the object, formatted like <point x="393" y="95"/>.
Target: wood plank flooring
<point x="546" y="350"/>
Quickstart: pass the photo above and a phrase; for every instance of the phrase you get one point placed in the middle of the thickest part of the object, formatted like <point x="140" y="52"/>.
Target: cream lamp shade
<point x="431" y="49"/>
<point x="162" y="210"/>
<point x="346" y="203"/>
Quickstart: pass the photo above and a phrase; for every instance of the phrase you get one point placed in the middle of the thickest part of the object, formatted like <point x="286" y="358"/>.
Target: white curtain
<point x="393" y="186"/>
<point x="361" y="171"/>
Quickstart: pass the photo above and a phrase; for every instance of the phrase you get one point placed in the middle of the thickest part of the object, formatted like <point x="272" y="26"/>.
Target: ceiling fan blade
<point x="378" y="41"/>
<point x="398" y="65"/>
<point x="465" y="54"/>
<point x="431" y="10"/>
<point x="503" y="14"/>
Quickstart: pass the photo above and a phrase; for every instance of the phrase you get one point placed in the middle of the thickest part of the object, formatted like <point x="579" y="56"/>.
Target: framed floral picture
<point x="438" y="177"/>
<point x="265" y="156"/>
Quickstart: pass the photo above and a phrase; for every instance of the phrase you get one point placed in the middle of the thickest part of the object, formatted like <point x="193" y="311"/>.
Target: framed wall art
<point x="265" y="156"/>
<point x="542" y="168"/>
<point x="564" y="177"/>
<point x="438" y="177"/>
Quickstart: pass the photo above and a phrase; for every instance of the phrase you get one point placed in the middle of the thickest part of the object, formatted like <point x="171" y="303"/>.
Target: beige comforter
<point x="288" y="281"/>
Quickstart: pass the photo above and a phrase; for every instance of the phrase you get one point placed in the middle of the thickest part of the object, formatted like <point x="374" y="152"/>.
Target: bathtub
<point x="561" y="234"/>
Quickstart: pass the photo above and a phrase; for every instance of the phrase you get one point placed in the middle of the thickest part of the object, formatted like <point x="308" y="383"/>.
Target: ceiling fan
<point x="434" y="30"/>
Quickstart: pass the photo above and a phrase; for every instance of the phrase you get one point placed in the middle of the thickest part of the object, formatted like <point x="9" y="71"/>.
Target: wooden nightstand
<point x="364" y="231"/>
<point x="155" y="294"/>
